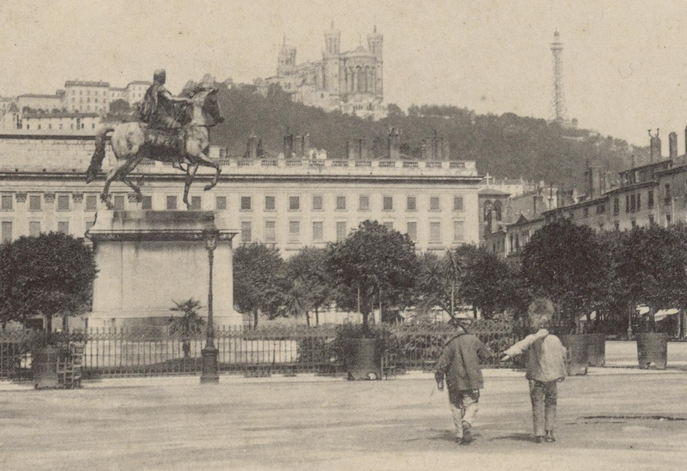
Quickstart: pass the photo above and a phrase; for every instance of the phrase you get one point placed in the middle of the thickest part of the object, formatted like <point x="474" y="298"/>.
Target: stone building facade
<point x="286" y="203"/>
<point x="351" y="81"/>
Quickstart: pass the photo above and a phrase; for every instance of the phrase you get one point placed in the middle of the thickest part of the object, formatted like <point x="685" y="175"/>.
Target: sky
<point x="623" y="63"/>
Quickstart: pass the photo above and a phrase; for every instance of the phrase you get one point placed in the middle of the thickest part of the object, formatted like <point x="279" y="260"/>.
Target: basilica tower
<point x="330" y="60"/>
<point x="375" y="43"/>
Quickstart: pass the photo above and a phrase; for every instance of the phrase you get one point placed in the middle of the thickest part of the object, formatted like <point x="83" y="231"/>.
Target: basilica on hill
<point x="351" y="81"/>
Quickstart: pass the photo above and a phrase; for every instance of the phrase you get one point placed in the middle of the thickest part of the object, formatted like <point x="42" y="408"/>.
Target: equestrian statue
<point x="169" y="129"/>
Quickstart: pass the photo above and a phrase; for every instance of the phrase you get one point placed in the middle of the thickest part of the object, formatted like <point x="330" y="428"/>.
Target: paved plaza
<point x="614" y="418"/>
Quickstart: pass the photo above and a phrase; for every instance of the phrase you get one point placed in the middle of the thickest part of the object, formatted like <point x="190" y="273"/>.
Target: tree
<point x="189" y="324"/>
<point x="373" y="266"/>
<point x="256" y="273"/>
<point x="49" y="275"/>
<point x="648" y="267"/>
<point x="487" y="283"/>
<point x="119" y="106"/>
<point x="438" y="282"/>
<point x="566" y="263"/>
<point x="310" y="284"/>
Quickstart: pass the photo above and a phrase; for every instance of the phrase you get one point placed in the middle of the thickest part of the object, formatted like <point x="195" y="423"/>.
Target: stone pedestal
<point x="147" y="259"/>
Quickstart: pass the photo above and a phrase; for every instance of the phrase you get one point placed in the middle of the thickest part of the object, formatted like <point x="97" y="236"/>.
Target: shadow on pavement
<point x="518" y="437"/>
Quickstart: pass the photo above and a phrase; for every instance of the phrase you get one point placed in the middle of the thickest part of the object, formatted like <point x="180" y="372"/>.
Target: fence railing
<point x="155" y="351"/>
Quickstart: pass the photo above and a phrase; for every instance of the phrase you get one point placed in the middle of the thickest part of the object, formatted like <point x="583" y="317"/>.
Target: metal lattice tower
<point x="558" y="110"/>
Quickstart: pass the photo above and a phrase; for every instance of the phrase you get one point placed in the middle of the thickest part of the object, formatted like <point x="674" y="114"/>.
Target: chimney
<point x="306" y="143"/>
<point x="394" y="145"/>
<point x="672" y="145"/>
<point x="252" y="151"/>
<point x="298" y="147"/>
<point x="655" y="146"/>
<point x="288" y="146"/>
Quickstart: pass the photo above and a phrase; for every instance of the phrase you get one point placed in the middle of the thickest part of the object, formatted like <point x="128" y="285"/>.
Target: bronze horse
<point x="132" y="142"/>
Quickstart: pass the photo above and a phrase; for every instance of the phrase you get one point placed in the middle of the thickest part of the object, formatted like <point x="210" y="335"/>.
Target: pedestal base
<point x="209" y="375"/>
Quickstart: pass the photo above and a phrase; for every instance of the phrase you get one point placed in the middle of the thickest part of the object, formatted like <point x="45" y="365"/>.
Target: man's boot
<point x="467" y="434"/>
<point x="549" y="436"/>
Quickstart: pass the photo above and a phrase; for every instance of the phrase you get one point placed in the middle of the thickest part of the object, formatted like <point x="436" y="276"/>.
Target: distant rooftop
<point x="37" y="95"/>
<point x="86" y="83"/>
<point x="139" y="82"/>
<point x="60" y="115"/>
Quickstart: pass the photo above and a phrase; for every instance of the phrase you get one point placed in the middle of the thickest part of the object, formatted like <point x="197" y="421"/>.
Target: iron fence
<point x="124" y="352"/>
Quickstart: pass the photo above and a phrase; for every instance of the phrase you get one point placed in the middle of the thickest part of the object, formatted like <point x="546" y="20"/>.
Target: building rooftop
<point x="60" y="115"/>
<point x="86" y="83"/>
<point x="139" y="82"/>
<point x="37" y="95"/>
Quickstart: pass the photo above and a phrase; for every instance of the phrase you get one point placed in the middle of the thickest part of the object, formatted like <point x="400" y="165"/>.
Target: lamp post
<point x="210" y="376"/>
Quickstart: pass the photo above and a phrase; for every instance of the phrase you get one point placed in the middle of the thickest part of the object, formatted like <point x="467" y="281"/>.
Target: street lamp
<point x="210" y="376"/>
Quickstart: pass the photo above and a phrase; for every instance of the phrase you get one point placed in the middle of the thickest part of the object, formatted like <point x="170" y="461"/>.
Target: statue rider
<point x="157" y="107"/>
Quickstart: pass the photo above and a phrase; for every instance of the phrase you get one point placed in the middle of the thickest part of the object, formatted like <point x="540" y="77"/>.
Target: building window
<point x="270" y="231"/>
<point x="147" y="202"/>
<point x="639" y="201"/>
<point x="294" y="203"/>
<point x="63" y="227"/>
<point x="585" y="211"/>
<point x="245" y="203"/>
<point x="63" y="202"/>
<point x="340" y="231"/>
<point x="668" y="219"/>
<point x="601" y="208"/>
<point x="617" y="225"/>
<point x="434" y="203"/>
<point x="6" y="235"/>
<point x="633" y="206"/>
<point x="616" y="206"/>
<point x="246" y="233"/>
<point x="458" y="203"/>
<point x="196" y="202"/>
<point x="221" y="202"/>
<point x="363" y="203"/>
<point x="91" y="202"/>
<point x="435" y="231"/>
<point x="650" y="200"/>
<point x="270" y="203"/>
<point x="294" y="231"/>
<point x="317" y="231"/>
<point x="411" y="203"/>
<point x="34" y="203"/>
<point x="171" y="202"/>
<point x="317" y="203"/>
<point x="7" y="202"/>
<point x="651" y="218"/>
<point x="341" y="203"/>
<point x="458" y="230"/>
<point x="34" y="228"/>
<point x="634" y="223"/>
<point x="389" y="225"/>
<point x="412" y="230"/>
<point x="627" y="203"/>
<point x="388" y="203"/>
<point x="119" y="202"/>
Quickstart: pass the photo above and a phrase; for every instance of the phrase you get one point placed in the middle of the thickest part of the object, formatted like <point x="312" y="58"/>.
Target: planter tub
<point x="363" y="360"/>
<point x="578" y="359"/>
<point x="652" y="348"/>
<point x="44" y="368"/>
<point x="596" y="349"/>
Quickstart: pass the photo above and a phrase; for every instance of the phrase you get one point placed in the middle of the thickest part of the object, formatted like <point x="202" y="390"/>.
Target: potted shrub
<point x="47" y="350"/>
<point x="577" y="346"/>
<point x="652" y="347"/>
<point x="360" y="348"/>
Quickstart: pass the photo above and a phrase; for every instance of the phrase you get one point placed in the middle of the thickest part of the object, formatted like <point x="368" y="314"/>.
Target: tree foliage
<point x="257" y="282"/>
<point x="566" y="263"/>
<point x="49" y="275"/>
<point x="373" y="266"/>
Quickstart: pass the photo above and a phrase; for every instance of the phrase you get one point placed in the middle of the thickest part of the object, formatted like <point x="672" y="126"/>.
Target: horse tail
<point x="98" y="154"/>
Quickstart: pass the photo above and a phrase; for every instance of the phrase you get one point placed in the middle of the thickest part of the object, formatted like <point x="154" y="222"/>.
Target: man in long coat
<point x="460" y="365"/>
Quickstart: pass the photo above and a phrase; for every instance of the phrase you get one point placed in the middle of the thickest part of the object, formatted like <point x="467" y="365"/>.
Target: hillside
<point x="504" y="146"/>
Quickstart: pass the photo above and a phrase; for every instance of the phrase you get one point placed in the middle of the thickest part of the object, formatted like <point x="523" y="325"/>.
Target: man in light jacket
<point x="459" y="363"/>
<point x="545" y="368"/>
